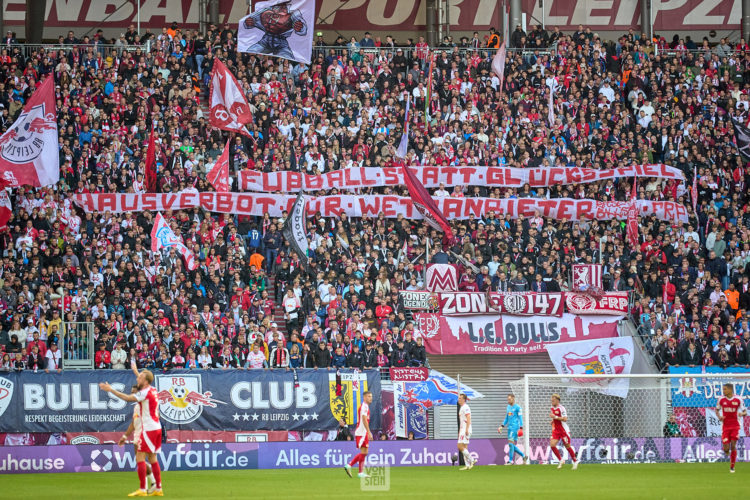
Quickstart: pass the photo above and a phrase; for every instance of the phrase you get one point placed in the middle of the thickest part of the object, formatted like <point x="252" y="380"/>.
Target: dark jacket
<point x="322" y="358"/>
<point x="399" y="357"/>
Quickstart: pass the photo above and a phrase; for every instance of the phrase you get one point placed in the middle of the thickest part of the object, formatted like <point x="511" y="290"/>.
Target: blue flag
<point x="437" y="390"/>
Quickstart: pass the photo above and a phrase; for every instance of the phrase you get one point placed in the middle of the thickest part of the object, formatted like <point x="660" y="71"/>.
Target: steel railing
<point x="28" y="49"/>
<point x="78" y="345"/>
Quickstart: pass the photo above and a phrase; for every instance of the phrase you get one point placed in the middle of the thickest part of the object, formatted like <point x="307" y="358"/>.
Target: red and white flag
<point x="28" y="149"/>
<point x="228" y="109"/>
<point x="218" y="176"/>
<point x="694" y="190"/>
<point x="551" y="106"/>
<point x="632" y="223"/>
<point x="6" y="209"/>
<point x="162" y="236"/>
<point x="425" y="204"/>
<point x="498" y="64"/>
<point x="586" y="276"/>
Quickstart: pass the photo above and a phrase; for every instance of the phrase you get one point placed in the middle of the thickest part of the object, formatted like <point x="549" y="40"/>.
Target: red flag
<point x="228" y="109"/>
<point x="219" y="174"/>
<point x="151" y="163"/>
<point x="6" y="209"/>
<point x="28" y="149"/>
<point x="632" y="225"/>
<point x="425" y="204"/>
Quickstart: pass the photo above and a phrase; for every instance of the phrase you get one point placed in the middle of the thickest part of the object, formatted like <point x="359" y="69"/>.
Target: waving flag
<point x="228" y="109"/>
<point x="437" y="390"/>
<point x="632" y="224"/>
<point x="218" y="176"/>
<point x="162" y="236"/>
<point x="294" y="229"/>
<point x="150" y="177"/>
<point x="28" y="149"/>
<point x="551" y="106"/>
<point x="498" y="64"/>
<point x="694" y="190"/>
<point x="425" y="204"/>
<point x="403" y="146"/>
<point x="742" y="137"/>
<point x="280" y="28"/>
<point x="6" y="209"/>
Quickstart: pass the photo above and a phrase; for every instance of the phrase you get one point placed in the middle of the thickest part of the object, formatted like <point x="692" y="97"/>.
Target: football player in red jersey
<point x="730" y="408"/>
<point x="560" y="432"/>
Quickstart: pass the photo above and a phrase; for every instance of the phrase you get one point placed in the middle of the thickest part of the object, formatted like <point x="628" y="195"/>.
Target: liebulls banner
<point x="363" y="177"/>
<point x="28" y="149"/>
<point x="373" y="205"/>
<point x="493" y="334"/>
<point x="442" y="278"/>
<point x="231" y="400"/>
<point x="598" y="356"/>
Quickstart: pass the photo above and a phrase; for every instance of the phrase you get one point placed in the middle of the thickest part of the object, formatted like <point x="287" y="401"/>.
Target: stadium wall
<point x="402" y="18"/>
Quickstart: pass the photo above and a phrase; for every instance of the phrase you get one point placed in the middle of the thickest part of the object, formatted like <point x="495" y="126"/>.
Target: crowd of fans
<point x="628" y="101"/>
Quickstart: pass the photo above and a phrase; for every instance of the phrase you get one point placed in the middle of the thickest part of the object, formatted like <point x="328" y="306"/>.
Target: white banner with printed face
<point x="280" y="28"/>
<point x="613" y="356"/>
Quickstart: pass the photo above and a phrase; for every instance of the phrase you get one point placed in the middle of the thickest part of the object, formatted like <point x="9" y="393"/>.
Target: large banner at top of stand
<point x="276" y="205"/>
<point x="364" y="177"/>
<point x="231" y="400"/>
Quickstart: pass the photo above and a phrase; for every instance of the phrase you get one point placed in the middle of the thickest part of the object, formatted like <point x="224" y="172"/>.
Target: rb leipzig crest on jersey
<point x="345" y="394"/>
<point x="181" y="399"/>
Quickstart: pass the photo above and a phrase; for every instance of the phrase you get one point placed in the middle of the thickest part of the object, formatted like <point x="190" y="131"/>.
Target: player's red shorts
<point x="561" y="435"/>
<point x="150" y="442"/>
<point x="362" y="441"/>
<point x="730" y="434"/>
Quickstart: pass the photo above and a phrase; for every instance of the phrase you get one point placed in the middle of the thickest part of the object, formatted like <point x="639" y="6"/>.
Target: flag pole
<point x="426" y="258"/>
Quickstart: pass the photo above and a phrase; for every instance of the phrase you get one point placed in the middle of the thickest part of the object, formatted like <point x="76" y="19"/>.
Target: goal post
<point x="628" y="418"/>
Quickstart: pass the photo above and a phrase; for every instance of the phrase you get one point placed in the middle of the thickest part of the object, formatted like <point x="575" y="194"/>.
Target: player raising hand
<point x="729" y="409"/>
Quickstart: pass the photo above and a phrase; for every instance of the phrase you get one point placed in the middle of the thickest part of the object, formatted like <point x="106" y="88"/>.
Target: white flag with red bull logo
<point x="28" y="149"/>
<point x="162" y="236"/>
<point x="613" y="356"/>
<point x="228" y="108"/>
<point x="6" y="209"/>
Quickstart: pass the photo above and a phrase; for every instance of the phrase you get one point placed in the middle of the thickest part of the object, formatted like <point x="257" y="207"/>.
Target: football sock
<point x="556" y="452"/>
<point x="141" y="468"/>
<point x="515" y="449"/>
<point x="354" y="460"/>
<point x="732" y="458"/>
<point x="157" y="474"/>
<point x="362" y="461"/>
<point x="572" y="453"/>
<point x="467" y="457"/>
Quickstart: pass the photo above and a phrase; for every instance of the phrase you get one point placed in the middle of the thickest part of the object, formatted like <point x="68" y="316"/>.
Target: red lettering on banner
<point x="668" y="211"/>
<point x="526" y="207"/>
<point x="449" y="172"/>
<point x="149" y="202"/>
<point x="649" y="171"/>
<point x="589" y="175"/>
<point x="389" y="207"/>
<point x="584" y="209"/>
<point x="392" y="176"/>
<point x="367" y="208"/>
<point x="224" y="203"/>
<point x="335" y="179"/>
<point x="187" y="200"/>
<point x="564" y="209"/>
<point x="473" y="207"/>
<point x="680" y="212"/>
<point x="430" y="175"/>
<point x="452" y="207"/>
<point x="332" y="205"/>
<point x="273" y="181"/>
<point x="252" y="180"/>
<point x="244" y="204"/>
<point x="366" y="181"/>
<point x="547" y="207"/>
<point x="538" y="177"/>
<point x="571" y="175"/>
<point x="512" y="181"/>
<point x="132" y="206"/>
<point x="495" y="176"/>
<point x="408" y="207"/>
<point x="294" y="182"/>
<point x="206" y="201"/>
<point x="468" y="174"/>
<point x="266" y="202"/>
<point x="314" y="182"/>
<point x="107" y="202"/>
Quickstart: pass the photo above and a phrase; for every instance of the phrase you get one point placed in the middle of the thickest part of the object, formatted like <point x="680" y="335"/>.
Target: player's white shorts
<point x="463" y="438"/>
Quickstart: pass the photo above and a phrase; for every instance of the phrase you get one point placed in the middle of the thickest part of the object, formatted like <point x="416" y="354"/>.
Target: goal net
<point x="631" y="418"/>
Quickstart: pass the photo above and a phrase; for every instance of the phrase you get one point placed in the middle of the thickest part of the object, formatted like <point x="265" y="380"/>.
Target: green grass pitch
<point x="647" y="481"/>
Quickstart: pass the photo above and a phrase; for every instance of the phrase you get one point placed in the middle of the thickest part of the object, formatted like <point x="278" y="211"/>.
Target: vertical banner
<point x="408" y="417"/>
<point x="586" y="276"/>
<point x="294" y="229"/>
<point x="442" y="278"/>
<point x="281" y="28"/>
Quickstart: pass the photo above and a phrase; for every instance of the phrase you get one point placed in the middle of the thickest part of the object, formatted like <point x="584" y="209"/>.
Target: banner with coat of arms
<point x="228" y="400"/>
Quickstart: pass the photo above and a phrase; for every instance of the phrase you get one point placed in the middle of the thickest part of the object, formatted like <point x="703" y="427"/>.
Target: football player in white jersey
<point x="464" y="431"/>
<point x="135" y="429"/>
<point x="362" y="436"/>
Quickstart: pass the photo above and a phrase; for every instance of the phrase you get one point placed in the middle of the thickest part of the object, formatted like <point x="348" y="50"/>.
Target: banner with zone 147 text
<point x="508" y="334"/>
<point x="515" y="304"/>
<point x="276" y="205"/>
<point x="288" y="181"/>
<point x="231" y="400"/>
